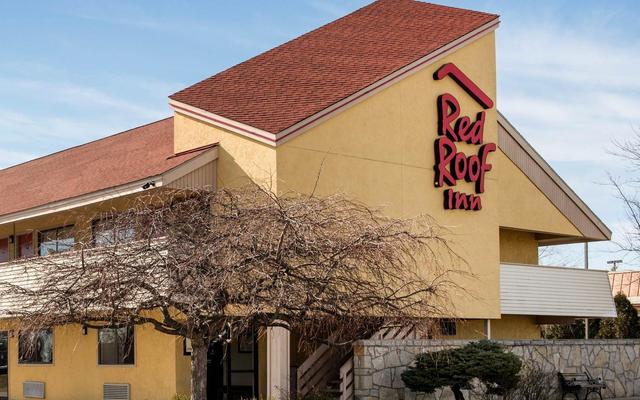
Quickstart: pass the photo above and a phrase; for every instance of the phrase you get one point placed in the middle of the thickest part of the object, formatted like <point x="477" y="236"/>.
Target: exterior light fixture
<point x="148" y="185"/>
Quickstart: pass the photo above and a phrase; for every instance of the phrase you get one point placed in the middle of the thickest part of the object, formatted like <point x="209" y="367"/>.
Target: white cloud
<point x="569" y="92"/>
<point x="80" y="97"/>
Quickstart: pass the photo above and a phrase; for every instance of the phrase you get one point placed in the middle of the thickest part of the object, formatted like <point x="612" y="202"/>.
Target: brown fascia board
<point x="542" y="175"/>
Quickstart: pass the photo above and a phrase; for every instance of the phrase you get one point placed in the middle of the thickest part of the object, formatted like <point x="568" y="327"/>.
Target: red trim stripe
<point x="218" y="121"/>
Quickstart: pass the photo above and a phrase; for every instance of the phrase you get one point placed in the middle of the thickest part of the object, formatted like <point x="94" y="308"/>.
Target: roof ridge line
<point x="278" y="46"/>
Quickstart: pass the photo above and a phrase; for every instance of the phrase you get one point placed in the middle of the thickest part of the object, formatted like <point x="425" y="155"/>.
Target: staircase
<point x="329" y="370"/>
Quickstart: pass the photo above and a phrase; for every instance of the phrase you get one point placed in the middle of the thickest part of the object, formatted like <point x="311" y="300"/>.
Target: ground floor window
<point x="116" y="346"/>
<point x="448" y="327"/>
<point x="35" y="347"/>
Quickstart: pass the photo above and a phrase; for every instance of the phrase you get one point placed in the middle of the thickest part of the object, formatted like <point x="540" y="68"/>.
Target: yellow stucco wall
<point x="523" y="206"/>
<point x="75" y="373"/>
<point x="380" y="151"/>
<point x="510" y="327"/>
<point x="515" y="327"/>
<point x="182" y="368"/>
<point x="518" y="247"/>
<point x="239" y="158"/>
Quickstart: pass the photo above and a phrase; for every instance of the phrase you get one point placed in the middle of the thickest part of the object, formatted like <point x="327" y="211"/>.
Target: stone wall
<point x="379" y="363"/>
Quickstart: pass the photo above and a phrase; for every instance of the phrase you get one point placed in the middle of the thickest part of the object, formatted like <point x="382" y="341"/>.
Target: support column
<point x="586" y="266"/>
<point x="487" y="329"/>
<point x="278" y="359"/>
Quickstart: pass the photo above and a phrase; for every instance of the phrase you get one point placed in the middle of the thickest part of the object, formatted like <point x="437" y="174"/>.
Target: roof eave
<point x="125" y="189"/>
<point x="604" y="233"/>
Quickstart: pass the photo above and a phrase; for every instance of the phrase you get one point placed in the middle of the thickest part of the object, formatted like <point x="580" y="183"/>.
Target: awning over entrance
<point x="555" y="291"/>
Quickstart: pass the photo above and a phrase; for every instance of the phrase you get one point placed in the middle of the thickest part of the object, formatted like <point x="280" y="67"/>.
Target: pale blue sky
<point x="72" y="71"/>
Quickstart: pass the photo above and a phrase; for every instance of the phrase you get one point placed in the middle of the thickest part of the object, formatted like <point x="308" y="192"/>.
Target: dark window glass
<point x="105" y="233"/>
<point x="25" y="245"/>
<point x="35" y="347"/>
<point x="4" y="250"/>
<point x="56" y="240"/>
<point x="448" y="327"/>
<point x="116" y="346"/>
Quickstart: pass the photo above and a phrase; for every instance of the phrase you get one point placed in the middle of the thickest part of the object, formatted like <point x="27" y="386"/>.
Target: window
<point x="116" y="346"/>
<point x="106" y="234"/>
<point x="56" y="240"/>
<point x="25" y="245"/>
<point x="448" y="327"/>
<point x="4" y="250"/>
<point x="35" y="347"/>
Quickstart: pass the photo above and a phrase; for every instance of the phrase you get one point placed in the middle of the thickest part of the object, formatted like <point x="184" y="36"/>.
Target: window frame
<point x="133" y="347"/>
<point x="22" y="361"/>
<point x="448" y="327"/>
<point x="57" y="230"/>
<point x="94" y="225"/>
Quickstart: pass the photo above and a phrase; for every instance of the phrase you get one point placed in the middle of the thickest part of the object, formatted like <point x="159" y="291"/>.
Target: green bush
<point x="486" y="361"/>
<point x="626" y="325"/>
<point x="572" y="331"/>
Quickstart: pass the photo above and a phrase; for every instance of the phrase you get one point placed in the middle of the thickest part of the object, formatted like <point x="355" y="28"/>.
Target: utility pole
<point x="615" y="264"/>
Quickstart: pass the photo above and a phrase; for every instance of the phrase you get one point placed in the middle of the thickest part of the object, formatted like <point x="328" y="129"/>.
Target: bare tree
<point x="628" y="191"/>
<point x="205" y="264"/>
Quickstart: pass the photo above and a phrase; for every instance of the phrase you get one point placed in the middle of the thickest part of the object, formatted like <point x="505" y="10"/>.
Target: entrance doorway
<point x="4" y="366"/>
<point x="232" y="370"/>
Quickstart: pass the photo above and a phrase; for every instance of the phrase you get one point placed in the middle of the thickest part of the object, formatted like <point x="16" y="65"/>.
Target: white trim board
<point x="275" y="139"/>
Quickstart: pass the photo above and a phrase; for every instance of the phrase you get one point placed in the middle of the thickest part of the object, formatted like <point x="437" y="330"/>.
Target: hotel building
<point x="394" y="105"/>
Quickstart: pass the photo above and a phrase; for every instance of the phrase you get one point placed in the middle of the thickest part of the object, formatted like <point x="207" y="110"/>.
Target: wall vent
<point x="115" y="391"/>
<point x="33" y="390"/>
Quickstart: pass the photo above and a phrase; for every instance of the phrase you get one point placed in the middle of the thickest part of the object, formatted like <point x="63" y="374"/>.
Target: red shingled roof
<point x="123" y="158"/>
<point x="627" y="282"/>
<point x="289" y="83"/>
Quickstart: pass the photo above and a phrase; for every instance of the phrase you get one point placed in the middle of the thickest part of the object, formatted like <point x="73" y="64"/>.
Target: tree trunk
<point x="199" y="354"/>
<point x="457" y="392"/>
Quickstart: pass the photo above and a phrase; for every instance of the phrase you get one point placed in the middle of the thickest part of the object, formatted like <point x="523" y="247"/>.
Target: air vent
<point x="33" y="390"/>
<point x="115" y="391"/>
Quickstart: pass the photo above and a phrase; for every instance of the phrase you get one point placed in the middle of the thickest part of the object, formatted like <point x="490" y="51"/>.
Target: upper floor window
<point x="35" y="347"/>
<point x="107" y="233"/>
<point x="4" y="250"/>
<point x="116" y="346"/>
<point x="56" y="240"/>
<point x="25" y="245"/>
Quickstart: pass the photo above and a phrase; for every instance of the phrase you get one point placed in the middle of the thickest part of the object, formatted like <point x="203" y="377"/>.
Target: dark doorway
<point x="215" y="372"/>
<point x="232" y="370"/>
<point x="4" y="366"/>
